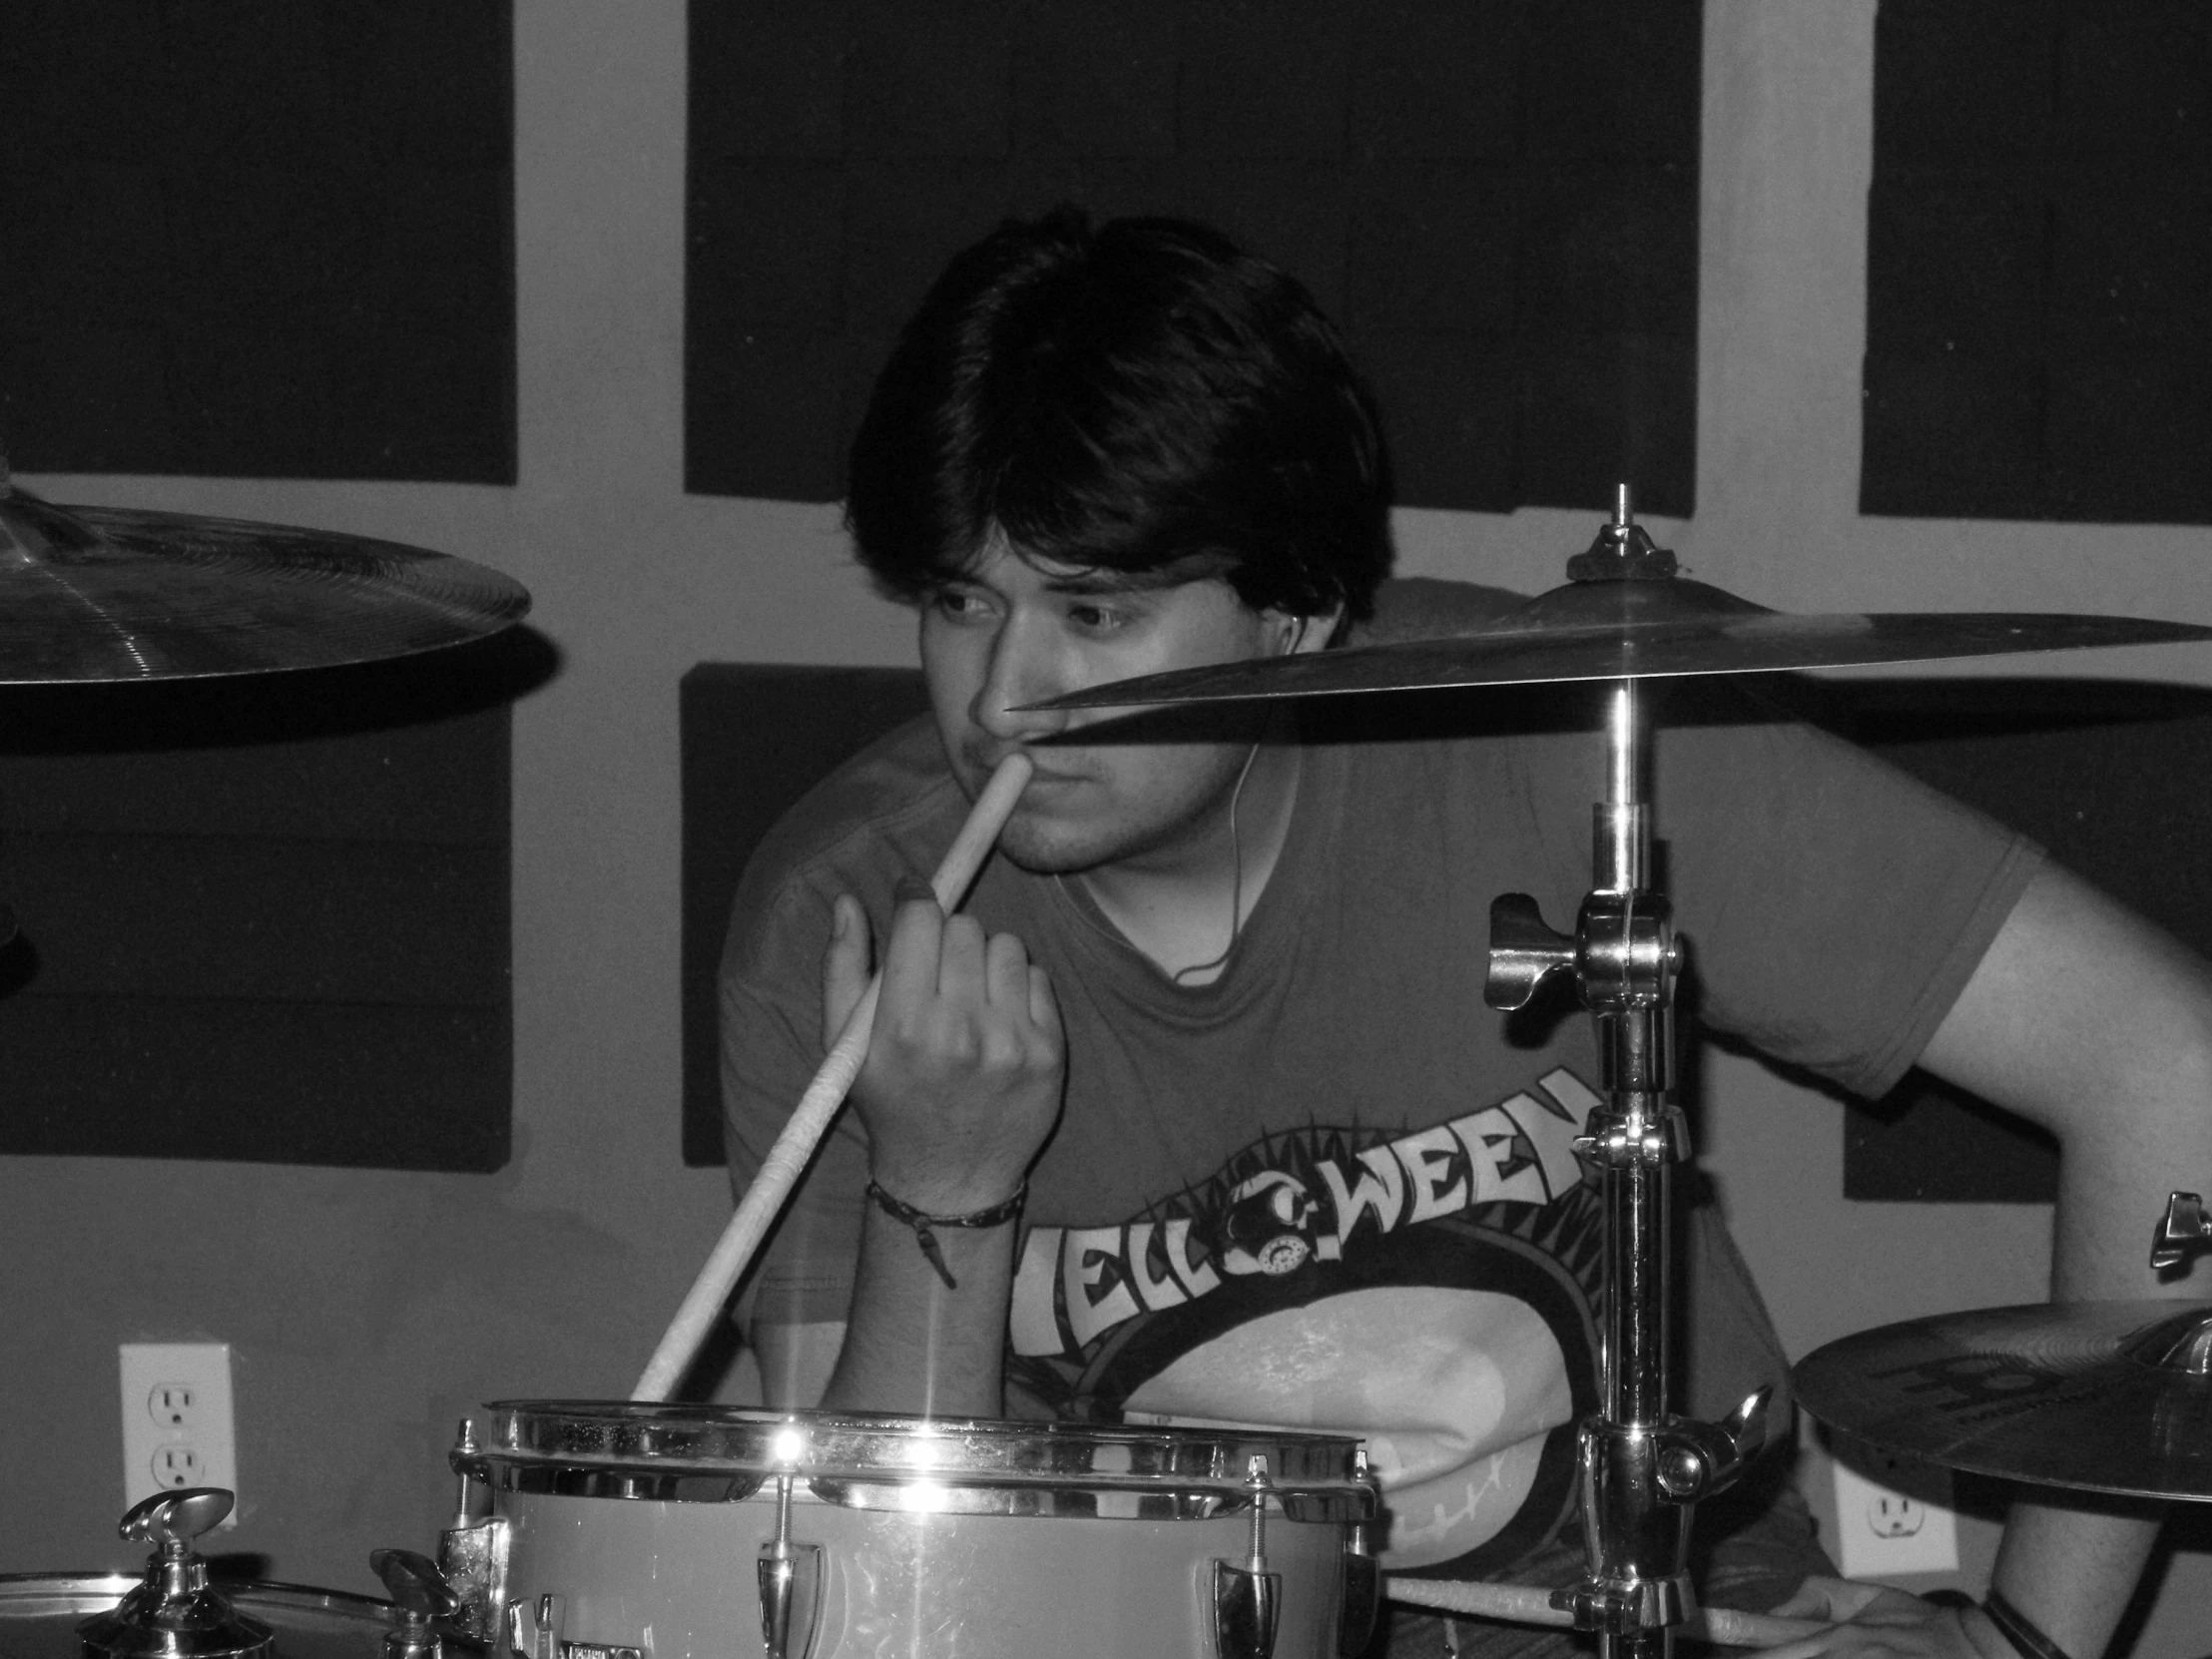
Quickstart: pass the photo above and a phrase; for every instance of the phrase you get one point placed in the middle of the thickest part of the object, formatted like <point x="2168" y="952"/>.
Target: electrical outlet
<point x="178" y="1424"/>
<point x="1892" y="1517"/>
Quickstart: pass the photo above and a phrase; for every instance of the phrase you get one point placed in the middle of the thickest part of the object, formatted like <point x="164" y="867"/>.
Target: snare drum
<point x="642" y="1532"/>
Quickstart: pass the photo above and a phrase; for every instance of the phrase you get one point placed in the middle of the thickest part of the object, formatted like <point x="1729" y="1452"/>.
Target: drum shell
<point x="677" y="1580"/>
<point x="619" y="1529"/>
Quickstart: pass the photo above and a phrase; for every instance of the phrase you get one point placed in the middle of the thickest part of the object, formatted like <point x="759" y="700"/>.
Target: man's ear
<point x="1295" y="634"/>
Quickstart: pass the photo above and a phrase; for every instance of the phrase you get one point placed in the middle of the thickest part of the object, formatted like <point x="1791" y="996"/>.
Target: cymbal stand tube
<point x="1642" y="1466"/>
<point x="1636" y="1536"/>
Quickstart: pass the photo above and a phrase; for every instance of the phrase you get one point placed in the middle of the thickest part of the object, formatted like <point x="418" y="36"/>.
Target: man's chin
<point x="1041" y="849"/>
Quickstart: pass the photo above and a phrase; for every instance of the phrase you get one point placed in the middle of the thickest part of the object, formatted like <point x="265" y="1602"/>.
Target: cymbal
<point x="2099" y="1397"/>
<point x="1612" y="628"/>
<point x="107" y="593"/>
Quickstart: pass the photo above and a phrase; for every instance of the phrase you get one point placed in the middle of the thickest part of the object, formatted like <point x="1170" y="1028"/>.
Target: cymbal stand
<point x="1642" y="1467"/>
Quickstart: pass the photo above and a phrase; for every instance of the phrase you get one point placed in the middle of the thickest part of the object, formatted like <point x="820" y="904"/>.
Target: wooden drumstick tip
<point x="995" y="805"/>
<point x="788" y="1158"/>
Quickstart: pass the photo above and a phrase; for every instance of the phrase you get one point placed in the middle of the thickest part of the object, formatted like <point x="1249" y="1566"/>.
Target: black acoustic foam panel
<point x="263" y="920"/>
<point x="2038" y="341"/>
<point x="1497" y="201"/>
<point x="258" y="238"/>
<point x="755" y="738"/>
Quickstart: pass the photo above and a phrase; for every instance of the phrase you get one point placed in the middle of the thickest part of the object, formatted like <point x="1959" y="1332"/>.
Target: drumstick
<point x="1526" y="1604"/>
<point x="786" y="1159"/>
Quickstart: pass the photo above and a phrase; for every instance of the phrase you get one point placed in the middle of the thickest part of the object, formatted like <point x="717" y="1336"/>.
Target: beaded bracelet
<point x="922" y="1223"/>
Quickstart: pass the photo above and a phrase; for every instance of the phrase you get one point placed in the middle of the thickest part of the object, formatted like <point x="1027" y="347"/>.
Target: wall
<point x="366" y="1309"/>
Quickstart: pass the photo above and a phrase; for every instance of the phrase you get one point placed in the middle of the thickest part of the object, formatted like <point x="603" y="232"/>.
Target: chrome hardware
<point x="473" y="1560"/>
<point x="725" y="1454"/>
<point x="2185" y="1226"/>
<point x="174" y="1613"/>
<point x="1622" y="551"/>
<point x="2181" y="1341"/>
<point x="463" y="1459"/>
<point x="1248" y="1600"/>
<point x="1524" y="952"/>
<point x="791" y="1584"/>
<point x="1641" y="1466"/>
<point x="1363" y="1579"/>
<point x="420" y="1595"/>
<point x="1700" y="1457"/>
<point x="534" y="1632"/>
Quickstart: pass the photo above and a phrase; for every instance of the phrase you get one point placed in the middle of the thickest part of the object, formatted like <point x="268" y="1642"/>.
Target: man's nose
<point x="1024" y="669"/>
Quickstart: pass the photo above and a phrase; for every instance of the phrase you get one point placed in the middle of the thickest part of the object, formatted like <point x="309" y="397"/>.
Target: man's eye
<point x="955" y="603"/>
<point x="1098" y="619"/>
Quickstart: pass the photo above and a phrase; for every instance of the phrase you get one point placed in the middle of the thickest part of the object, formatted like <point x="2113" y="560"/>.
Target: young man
<point x="1197" y="1102"/>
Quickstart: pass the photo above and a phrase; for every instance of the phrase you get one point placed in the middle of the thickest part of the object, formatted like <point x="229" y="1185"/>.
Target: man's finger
<point x="960" y="960"/>
<point x="1006" y="973"/>
<point x="911" y="958"/>
<point x="1044" y="1006"/>
<point x="845" y="965"/>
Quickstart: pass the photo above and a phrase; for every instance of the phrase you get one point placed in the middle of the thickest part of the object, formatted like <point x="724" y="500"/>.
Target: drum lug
<point x="1362" y="1577"/>
<point x="534" y="1631"/>
<point x="790" y="1585"/>
<point x="1248" y="1599"/>
<point x="1246" y="1607"/>
<point x="474" y="1561"/>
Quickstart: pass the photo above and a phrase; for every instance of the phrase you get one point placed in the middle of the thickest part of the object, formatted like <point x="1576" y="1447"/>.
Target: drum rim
<point x="645" y="1439"/>
<point x="632" y="1410"/>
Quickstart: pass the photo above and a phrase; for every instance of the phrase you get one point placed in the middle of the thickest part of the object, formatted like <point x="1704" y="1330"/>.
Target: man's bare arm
<point x="2089" y="1021"/>
<point x="2085" y="1019"/>
<point x="960" y="1088"/>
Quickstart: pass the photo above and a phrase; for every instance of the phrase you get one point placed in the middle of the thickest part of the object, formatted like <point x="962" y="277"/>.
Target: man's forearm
<point x="912" y="1343"/>
<point x="2087" y="1020"/>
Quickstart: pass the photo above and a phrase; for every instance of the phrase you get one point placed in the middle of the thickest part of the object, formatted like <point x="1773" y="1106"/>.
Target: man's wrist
<point x="927" y="1224"/>
<point x="944" y="1191"/>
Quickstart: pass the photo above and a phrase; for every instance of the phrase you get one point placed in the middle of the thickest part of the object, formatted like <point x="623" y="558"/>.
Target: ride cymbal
<point x="105" y="594"/>
<point x="1640" y="628"/>
<point x="2099" y="1397"/>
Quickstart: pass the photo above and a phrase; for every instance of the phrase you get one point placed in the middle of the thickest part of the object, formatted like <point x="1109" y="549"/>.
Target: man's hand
<point x="965" y="1066"/>
<point x="1874" y="1621"/>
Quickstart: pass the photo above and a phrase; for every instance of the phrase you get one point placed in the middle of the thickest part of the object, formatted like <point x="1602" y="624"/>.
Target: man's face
<point x="1010" y="633"/>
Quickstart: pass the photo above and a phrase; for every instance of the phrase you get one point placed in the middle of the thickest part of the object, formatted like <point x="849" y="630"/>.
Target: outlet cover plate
<point x="1894" y="1517"/>
<point x="179" y="1426"/>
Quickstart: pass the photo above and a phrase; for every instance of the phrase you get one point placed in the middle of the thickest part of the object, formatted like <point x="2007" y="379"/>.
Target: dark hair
<point x="1144" y="397"/>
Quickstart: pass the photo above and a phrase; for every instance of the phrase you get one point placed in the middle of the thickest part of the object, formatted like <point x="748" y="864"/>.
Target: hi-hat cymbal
<point x="105" y="594"/>
<point x="1611" y="628"/>
<point x="2099" y="1397"/>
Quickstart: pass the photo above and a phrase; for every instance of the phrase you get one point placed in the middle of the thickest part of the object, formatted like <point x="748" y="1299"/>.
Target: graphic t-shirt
<point x="1332" y="1190"/>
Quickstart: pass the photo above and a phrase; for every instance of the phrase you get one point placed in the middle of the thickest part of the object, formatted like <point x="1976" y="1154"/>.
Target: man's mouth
<point x="1041" y="776"/>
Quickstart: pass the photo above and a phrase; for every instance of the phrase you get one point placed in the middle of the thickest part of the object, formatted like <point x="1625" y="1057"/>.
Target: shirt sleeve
<point x="1834" y="908"/>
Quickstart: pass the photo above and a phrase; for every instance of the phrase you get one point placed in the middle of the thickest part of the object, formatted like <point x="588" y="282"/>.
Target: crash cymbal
<point x="105" y="594"/>
<point x="1635" y="630"/>
<point x="2100" y="1396"/>
<point x="1625" y="615"/>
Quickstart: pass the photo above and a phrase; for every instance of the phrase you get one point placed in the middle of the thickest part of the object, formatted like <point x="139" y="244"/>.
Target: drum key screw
<point x="464" y="1448"/>
<point x="1248" y="1599"/>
